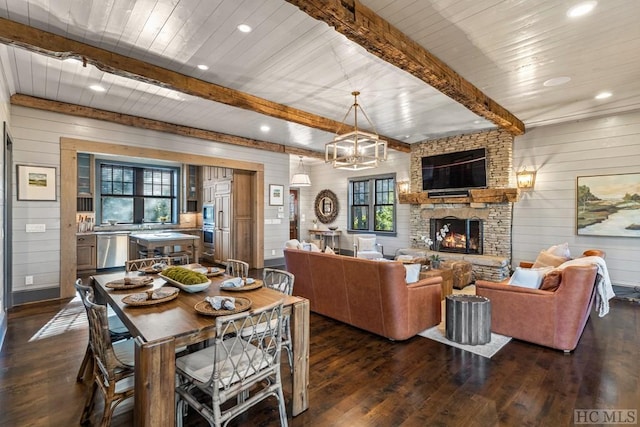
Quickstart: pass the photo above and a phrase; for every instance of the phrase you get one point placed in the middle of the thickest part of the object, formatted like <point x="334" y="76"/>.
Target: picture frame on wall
<point x="36" y="183"/>
<point x="276" y="195"/>
<point x="608" y="205"/>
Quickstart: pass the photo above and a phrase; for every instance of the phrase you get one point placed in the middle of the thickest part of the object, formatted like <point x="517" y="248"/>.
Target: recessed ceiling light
<point x="581" y="9"/>
<point x="603" y="95"/>
<point x="477" y="122"/>
<point x="556" y="81"/>
<point x="244" y="28"/>
<point x="97" y="88"/>
<point x="265" y="128"/>
<point x="203" y="67"/>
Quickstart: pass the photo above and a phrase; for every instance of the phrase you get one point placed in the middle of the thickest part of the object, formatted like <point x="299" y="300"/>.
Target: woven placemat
<point x="130" y="283"/>
<point x="133" y="301"/>
<point x="204" y="307"/>
<point x="255" y="285"/>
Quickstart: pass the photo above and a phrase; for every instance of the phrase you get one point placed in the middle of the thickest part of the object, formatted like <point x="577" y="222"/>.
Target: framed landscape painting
<point x="36" y="183"/>
<point x="608" y="205"/>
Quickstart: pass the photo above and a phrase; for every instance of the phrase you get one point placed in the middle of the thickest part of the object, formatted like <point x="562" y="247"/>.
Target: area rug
<point x="438" y="333"/>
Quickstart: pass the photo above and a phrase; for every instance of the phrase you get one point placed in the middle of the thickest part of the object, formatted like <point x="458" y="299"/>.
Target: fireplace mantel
<point x="488" y="195"/>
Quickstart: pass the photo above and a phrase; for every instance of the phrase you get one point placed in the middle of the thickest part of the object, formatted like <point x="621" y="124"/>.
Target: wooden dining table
<point x="159" y="329"/>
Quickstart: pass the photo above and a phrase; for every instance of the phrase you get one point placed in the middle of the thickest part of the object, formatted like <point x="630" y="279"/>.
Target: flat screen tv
<point x="455" y="171"/>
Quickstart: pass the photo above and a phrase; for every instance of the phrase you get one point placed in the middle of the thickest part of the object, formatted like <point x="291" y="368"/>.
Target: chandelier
<point x="356" y="150"/>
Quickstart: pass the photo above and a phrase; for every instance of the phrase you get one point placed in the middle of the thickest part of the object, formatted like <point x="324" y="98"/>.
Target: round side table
<point x="468" y="319"/>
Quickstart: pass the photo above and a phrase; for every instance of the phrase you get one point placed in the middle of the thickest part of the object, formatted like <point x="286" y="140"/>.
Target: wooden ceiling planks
<point x="361" y="25"/>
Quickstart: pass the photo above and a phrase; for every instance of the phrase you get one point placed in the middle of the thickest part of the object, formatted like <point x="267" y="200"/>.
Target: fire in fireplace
<point x="464" y="235"/>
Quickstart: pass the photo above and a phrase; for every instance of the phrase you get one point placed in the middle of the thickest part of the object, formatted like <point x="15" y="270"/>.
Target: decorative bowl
<point x="333" y="228"/>
<point x="112" y="221"/>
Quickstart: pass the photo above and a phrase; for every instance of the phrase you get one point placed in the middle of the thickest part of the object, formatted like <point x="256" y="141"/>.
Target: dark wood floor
<point x="358" y="379"/>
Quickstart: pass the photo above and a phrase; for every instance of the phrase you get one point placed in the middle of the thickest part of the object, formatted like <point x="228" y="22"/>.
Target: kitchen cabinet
<point x="86" y="252"/>
<point x="85" y="183"/>
<point x="192" y="188"/>
<point x="222" y="234"/>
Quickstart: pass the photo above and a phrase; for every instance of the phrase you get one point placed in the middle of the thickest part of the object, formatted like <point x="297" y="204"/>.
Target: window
<point x="136" y="194"/>
<point x="372" y="204"/>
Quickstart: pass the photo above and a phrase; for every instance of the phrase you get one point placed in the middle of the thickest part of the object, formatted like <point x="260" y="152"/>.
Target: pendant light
<point x="300" y="178"/>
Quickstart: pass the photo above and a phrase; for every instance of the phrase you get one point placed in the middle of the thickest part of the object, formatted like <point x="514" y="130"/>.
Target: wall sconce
<point x="526" y="179"/>
<point x="403" y="187"/>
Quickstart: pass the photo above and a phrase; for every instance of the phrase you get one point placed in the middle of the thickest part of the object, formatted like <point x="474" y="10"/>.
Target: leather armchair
<point x="553" y="319"/>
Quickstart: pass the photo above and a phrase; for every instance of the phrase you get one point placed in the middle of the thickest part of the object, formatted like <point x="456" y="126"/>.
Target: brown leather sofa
<point x="370" y="295"/>
<point x="553" y="319"/>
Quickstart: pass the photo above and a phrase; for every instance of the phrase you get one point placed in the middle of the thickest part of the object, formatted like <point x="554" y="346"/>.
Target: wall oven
<point x="208" y="227"/>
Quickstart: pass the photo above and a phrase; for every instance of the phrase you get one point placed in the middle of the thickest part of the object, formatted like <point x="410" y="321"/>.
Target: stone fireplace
<point x="464" y="235"/>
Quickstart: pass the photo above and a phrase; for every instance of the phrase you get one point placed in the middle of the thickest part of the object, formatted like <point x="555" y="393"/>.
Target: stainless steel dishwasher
<point x="113" y="249"/>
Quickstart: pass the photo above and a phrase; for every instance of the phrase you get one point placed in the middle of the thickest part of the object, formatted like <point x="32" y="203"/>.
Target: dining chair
<point x="138" y="264"/>
<point x="113" y="363"/>
<point x="210" y="379"/>
<point x="281" y="281"/>
<point x="117" y="331"/>
<point x="237" y="268"/>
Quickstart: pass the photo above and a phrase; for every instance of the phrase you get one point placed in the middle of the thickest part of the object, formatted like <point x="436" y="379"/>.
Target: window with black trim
<point x="372" y="204"/>
<point x="133" y="194"/>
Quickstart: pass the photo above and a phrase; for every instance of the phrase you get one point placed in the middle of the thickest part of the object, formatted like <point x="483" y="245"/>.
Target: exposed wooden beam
<point x="361" y="25"/>
<point x="143" y="123"/>
<point x="43" y="42"/>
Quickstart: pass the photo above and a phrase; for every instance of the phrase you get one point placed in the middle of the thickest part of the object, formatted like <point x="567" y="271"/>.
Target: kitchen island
<point x="166" y="242"/>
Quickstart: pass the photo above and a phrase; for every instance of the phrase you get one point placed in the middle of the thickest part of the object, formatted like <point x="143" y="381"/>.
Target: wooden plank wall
<point x="323" y="176"/>
<point x="37" y="135"/>
<point x="560" y="153"/>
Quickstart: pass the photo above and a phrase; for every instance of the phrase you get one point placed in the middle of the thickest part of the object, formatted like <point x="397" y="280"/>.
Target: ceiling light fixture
<point x="300" y="178"/>
<point x="265" y="128"/>
<point x="356" y="150"/>
<point x="603" y="95"/>
<point x="556" y="81"/>
<point x="581" y="9"/>
<point x="97" y="88"/>
<point x="244" y="28"/>
<point x="203" y="67"/>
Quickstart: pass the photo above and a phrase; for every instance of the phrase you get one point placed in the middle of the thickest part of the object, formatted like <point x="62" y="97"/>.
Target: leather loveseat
<point x="371" y="295"/>
<point x="552" y="318"/>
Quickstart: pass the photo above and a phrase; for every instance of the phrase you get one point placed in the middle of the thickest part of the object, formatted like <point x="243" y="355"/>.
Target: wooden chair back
<point x="237" y="268"/>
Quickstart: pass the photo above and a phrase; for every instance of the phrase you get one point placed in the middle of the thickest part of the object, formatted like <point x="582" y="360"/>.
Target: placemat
<point x="204" y="307"/>
<point x="130" y="283"/>
<point x="135" y="299"/>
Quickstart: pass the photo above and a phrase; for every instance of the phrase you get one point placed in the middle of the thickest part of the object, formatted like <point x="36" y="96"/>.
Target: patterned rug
<point x="437" y="333"/>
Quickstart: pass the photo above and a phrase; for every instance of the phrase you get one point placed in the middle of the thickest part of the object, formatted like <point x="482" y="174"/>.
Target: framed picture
<point x="276" y="195"/>
<point x="608" y="205"/>
<point x="36" y="183"/>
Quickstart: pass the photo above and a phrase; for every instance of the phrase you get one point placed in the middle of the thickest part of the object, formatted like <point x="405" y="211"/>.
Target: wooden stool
<point x="468" y="319"/>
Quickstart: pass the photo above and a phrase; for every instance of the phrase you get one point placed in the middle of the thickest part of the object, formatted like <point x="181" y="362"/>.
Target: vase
<point x="435" y="264"/>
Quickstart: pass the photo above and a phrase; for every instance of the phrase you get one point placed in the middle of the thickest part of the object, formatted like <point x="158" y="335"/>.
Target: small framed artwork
<point x="276" y="195"/>
<point x="36" y="183"/>
<point x="608" y="205"/>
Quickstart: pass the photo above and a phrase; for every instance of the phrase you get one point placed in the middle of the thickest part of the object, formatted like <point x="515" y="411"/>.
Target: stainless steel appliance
<point x="112" y="250"/>
<point x="208" y="230"/>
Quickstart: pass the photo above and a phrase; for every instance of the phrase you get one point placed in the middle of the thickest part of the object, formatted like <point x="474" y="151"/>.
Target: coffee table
<point x="447" y="278"/>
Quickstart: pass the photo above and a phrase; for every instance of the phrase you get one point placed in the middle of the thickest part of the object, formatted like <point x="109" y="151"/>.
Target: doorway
<point x="294" y="213"/>
<point x="6" y="300"/>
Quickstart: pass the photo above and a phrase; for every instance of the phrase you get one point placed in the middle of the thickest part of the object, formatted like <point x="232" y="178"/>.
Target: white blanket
<point x="604" y="290"/>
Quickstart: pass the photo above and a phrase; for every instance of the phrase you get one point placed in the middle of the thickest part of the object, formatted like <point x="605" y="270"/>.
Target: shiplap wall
<point x="4" y="117"/>
<point x="561" y="153"/>
<point x="324" y="176"/>
<point x="36" y="136"/>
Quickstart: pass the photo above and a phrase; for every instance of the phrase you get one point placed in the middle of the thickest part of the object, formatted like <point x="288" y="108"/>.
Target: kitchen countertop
<point x="103" y="231"/>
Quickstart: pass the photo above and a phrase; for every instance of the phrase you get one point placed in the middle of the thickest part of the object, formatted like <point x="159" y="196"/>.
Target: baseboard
<point x="3" y="329"/>
<point x="274" y="262"/>
<point x="24" y="297"/>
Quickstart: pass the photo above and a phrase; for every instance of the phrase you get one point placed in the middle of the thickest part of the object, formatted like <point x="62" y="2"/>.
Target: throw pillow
<point x="412" y="273"/>
<point x="366" y="243"/>
<point x="528" y="277"/>
<point x="561" y="250"/>
<point x="551" y="280"/>
<point x="293" y="243"/>
<point x="328" y="250"/>
<point x="546" y="259"/>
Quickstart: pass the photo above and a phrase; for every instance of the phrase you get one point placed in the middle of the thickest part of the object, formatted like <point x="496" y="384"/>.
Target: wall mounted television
<point x="455" y="171"/>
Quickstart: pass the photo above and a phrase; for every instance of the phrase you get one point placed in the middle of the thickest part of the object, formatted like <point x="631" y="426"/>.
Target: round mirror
<point x="326" y="206"/>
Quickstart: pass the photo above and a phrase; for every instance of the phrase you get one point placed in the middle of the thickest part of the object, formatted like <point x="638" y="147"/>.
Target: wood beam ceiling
<point x="43" y="42"/>
<point x="361" y="25"/>
<point x="143" y="123"/>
